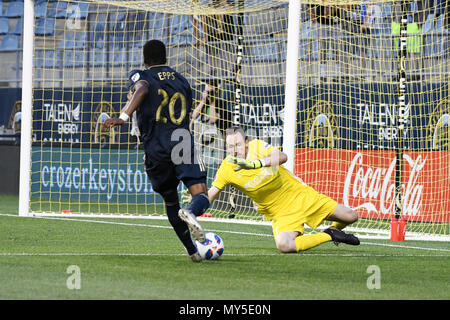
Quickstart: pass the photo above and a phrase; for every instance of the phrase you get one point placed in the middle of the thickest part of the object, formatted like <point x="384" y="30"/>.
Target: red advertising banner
<point x="364" y="180"/>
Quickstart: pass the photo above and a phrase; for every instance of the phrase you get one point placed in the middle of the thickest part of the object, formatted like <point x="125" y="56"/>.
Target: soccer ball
<point x="211" y="248"/>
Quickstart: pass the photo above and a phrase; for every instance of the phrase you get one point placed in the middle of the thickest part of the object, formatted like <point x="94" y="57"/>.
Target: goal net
<point x="372" y="111"/>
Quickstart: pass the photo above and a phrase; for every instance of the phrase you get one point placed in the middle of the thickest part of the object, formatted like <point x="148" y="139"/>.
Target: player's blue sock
<point x="199" y="204"/>
<point x="181" y="228"/>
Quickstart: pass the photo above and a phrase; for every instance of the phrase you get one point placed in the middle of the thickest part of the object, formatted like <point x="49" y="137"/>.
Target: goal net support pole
<point x="290" y="106"/>
<point x="27" y="102"/>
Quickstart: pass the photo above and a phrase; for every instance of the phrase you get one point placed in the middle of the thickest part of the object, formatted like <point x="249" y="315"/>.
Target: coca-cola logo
<point x="373" y="188"/>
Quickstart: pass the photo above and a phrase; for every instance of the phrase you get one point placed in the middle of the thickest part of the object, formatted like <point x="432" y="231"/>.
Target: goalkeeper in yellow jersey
<point x="254" y="167"/>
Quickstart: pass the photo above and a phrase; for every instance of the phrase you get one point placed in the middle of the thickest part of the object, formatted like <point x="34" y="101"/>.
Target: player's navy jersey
<point x="166" y="108"/>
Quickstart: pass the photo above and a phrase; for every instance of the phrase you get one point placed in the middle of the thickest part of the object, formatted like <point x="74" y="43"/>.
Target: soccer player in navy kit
<point x="162" y="99"/>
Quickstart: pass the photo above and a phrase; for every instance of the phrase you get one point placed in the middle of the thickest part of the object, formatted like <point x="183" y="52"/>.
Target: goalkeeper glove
<point x="186" y="197"/>
<point x="246" y="164"/>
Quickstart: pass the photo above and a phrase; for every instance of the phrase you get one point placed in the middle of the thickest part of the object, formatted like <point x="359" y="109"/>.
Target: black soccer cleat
<point x="339" y="236"/>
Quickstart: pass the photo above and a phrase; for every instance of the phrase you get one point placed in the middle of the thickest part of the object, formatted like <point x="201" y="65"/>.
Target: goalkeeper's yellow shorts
<point x="319" y="208"/>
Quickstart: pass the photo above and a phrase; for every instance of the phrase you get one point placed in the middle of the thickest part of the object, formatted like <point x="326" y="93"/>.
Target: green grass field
<point x="143" y="259"/>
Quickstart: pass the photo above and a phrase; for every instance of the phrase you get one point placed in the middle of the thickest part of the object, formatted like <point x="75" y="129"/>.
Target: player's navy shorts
<point x="165" y="175"/>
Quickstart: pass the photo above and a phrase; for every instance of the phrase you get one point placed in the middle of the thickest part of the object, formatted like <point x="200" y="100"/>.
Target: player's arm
<point x="136" y="99"/>
<point x="213" y="192"/>
<point x="275" y="158"/>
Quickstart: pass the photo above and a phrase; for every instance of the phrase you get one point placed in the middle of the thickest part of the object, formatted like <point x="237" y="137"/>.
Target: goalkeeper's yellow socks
<point x="339" y="225"/>
<point x="308" y="241"/>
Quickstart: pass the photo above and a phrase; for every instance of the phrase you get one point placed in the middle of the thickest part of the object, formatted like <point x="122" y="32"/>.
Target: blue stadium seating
<point x="10" y="42"/>
<point x="4" y="25"/>
<point x="45" y="27"/>
<point x="14" y="9"/>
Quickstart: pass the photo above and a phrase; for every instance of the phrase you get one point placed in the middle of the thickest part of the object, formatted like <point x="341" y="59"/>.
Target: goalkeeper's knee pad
<point x="199" y="204"/>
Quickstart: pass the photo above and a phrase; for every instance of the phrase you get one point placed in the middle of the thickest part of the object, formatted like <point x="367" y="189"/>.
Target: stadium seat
<point x="58" y="10"/>
<point x="117" y="41"/>
<point x="376" y="22"/>
<point x="80" y="39"/>
<point x="40" y="10"/>
<point x="376" y="19"/>
<point x="439" y="26"/>
<point x="117" y="57"/>
<point x="74" y="58"/>
<point x="18" y="29"/>
<point x="97" y="40"/>
<point x="135" y="58"/>
<point x="78" y="11"/>
<point x="98" y="58"/>
<point x="47" y="59"/>
<point x="386" y="9"/>
<point x="117" y="23"/>
<point x="97" y="35"/>
<point x="440" y="37"/>
<point x="428" y="36"/>
<point x="14" y="9"/>
<point x="10" y="42"/>
<point x="181" y="30"/>
<point x="67" y="41"/>
<point x="157" y="22"/>
<point x="4" y="25"/>
<point x="73" y="40"/>
<point x="309" y="41"/>
<point x="428" y="26"/>
<point x="45" y="27"/>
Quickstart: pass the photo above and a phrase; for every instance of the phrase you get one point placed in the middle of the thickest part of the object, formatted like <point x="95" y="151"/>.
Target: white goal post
<point x="27" y="103"/>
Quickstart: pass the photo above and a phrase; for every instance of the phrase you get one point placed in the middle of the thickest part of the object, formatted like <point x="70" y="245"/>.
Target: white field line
<point x="91" y="254"/>
<point x="231" y="232"/>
